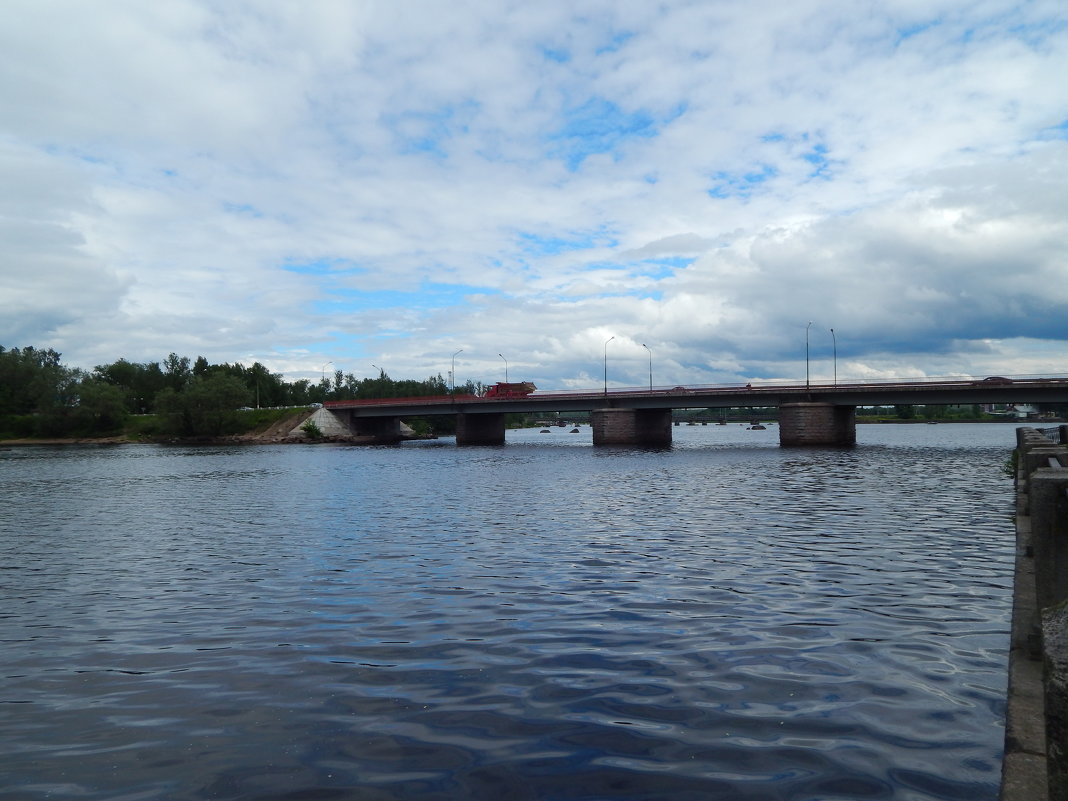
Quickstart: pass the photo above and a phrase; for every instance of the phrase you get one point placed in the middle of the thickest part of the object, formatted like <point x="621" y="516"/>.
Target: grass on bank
<point x="140" y="427"/>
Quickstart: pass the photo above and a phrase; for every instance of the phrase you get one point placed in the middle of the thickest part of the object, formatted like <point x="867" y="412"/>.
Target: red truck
<point x="504" y="390"/>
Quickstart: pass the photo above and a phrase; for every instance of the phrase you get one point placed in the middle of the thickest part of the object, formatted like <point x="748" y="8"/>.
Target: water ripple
<point x="722" y="620"/>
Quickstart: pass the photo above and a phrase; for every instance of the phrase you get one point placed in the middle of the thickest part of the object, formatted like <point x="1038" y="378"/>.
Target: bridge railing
<point x="1057" y="434"/>
<point x="762" y="386"/>
<point x="412" y="401"/>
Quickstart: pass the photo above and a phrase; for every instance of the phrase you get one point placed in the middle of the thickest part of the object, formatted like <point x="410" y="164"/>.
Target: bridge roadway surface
<point x="935" y="392"/>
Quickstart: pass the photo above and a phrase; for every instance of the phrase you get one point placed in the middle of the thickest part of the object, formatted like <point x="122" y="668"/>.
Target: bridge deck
<point x="941" y="392"/>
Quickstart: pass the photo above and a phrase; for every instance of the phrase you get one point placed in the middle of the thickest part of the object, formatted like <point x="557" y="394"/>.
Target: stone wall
<point x="1036" y="727"/>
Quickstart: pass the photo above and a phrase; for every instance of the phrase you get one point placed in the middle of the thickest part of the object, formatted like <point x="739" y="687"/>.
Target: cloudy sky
<point x="388" y="182"/>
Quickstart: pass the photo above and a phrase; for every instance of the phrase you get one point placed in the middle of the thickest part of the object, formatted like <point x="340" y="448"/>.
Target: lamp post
<point x="807" y="327"/>
<point x="650" y="366"/>
<point x="606" y="365"/>
<point x="834" y="345"/>
<point x="326" y="387"/>
<point x="505" y="367"/>
<point x="381" y="372"/>
<point x="452" y="373"/>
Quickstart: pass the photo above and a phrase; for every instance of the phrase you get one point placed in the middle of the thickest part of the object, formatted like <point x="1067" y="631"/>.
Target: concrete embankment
<point x="1036" y="725"/>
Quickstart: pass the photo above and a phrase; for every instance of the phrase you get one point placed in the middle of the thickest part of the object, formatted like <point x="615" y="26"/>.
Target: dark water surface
<point x="725" y="620"/>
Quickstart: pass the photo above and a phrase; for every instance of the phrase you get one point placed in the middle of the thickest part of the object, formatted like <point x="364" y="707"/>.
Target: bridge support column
<point x="817" y="424"/>
<point x="480" y="429"/>
<point x="649" y="428"/>
<point x="384" y="429"/>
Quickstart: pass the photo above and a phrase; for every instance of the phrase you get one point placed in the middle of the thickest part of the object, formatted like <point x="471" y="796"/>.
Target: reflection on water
<point x="726" y="619"/>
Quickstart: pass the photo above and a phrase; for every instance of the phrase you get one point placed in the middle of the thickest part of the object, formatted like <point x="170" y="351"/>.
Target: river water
<point x="545" y="620"/>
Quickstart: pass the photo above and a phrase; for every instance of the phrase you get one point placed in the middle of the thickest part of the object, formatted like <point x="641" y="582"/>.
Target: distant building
<point x="1022" y="411"/>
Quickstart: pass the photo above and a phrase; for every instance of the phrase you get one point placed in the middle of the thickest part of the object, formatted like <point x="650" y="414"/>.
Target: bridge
<point x="809" y="414"/>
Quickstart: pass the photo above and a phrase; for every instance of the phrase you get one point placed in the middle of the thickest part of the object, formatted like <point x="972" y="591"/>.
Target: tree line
<point x="40" y="396"/>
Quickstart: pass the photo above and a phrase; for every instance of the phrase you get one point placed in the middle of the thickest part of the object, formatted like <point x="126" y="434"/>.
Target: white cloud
<point x="302" y="184"/>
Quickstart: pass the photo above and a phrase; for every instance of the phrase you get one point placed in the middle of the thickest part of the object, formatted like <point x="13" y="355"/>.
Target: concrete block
<point x="1036" y="457"/>
<point x="1025" y="714"/>
<point x="1049" y="534"/>
<point x="1023" y="778"/>
<point x="1055" y="651"/>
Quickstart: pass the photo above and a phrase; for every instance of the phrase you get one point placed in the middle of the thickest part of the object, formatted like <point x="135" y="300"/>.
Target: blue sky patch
<point x="244" y="209"/>
<point x="665" y="267"/>
<point x="615" y="42"/>
<point x="656" y="268"/>
<point x="427" y="132"/>
<point x="1055" y="131"/>
<point x="643" y="293"/>
<point x="817" y="157"/>
<point x="558" y="54"/>
<point x="728" y="184"/>
<point x="537" y="245"/>
<point x="909" y="31"/>
<point x="429" y="296"/>
<point x="321" y="267"/>
<point x="598" y="126"/>
<point x="1037" y="34"/>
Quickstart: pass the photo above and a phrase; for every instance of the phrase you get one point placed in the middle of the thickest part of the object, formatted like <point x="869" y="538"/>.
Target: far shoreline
<point x="260" y="439"/>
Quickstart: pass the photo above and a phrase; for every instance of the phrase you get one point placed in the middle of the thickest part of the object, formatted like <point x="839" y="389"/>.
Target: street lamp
<point x="381" y="372"/>
<point x="606" y="365"/>
<point x="650" y="366"/>
<point x="452" y="375"/>
<point x="505" y="368"/>
<point x="834" y="345"/>
<point x="326" y="387"/>
<point x="806" y="352"/>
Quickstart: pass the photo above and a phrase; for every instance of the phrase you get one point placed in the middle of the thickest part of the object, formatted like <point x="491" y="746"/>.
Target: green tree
<point x="176" y="369"/>
<point x="299" y="392"/>
<point x="101" y="408"/>
<point x="207" y="407"/>
<point x="32" y="380"/>
<point x="140" y="383"/>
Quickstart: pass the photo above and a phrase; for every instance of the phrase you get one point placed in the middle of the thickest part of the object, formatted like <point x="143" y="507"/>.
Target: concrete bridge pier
<point x="385" y="430"/>
<point x="650" y="428"/>
<point x="817" y="424"/>
<point x="480" y="429"/>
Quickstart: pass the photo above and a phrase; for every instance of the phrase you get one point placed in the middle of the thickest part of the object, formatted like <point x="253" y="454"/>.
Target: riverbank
<point x="276" y="430"/>
<point x="119" y="440"/>
<point x="1037" y="704"/>
<point x="281" y="432"/>
<point x="1024" y="767"/>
